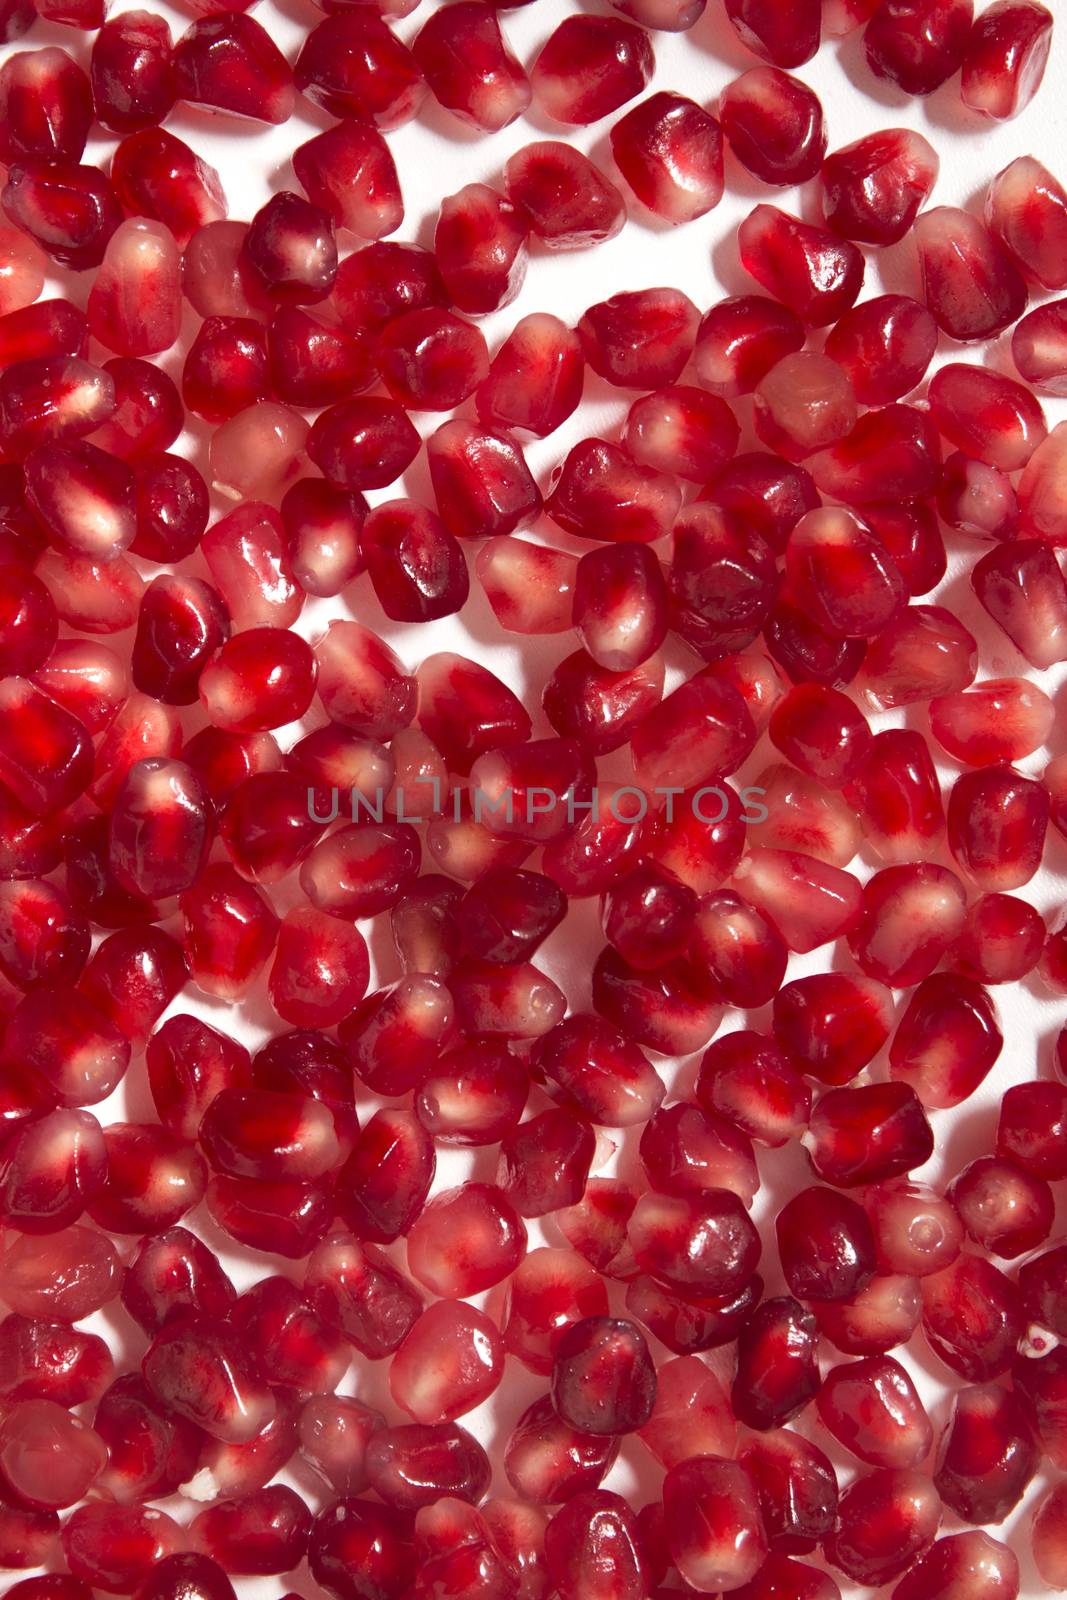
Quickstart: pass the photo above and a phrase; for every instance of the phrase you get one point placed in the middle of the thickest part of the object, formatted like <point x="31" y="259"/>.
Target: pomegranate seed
<point x="51" y="1170"/>
<point x="1037" y="348"/>
<point x="687" y="1151"/>
<point x="881" y="1316"/>
<point x="714" y="1528"/>
<point x="549" y="1291"/>
<point x="449" y="1362"/>
<point x="549" y="1462"/>
<point x="1001" y="720"/>
<point x="1032" y="1118"/>
<point x="226" y="368"/>
<point x="569" y="205"/>
<point x="596" y="1531"/>
<point x="349" y="176"/>
<point x="334" y="1431"/>
<point x="807" y="652"/>
<point x="230" y="930"/>
<point x="1021" y="587"/>
<point x="740" y="340"/>
<point x="322" y="526"/>
<point x="356" y="1542"/>
<point x="353" y="65"/>
<point x="157" y="175"/>
<point x="640" y="339"/>
<point x="216" y="277"/>
<point x="153" y="1179"/>
<point x="51" y="1361"/>
<point x="887" y="1519"/>
<point x="691" y="1415"/>
<point x="996" y="826"/>
<point x="916" y="1231"/>
<point x="868" y="1134"/>
<point x="669" y="150"/>
<point x="430" y="360"/>
<point x="29" y="1538"/>
<point x="481" y="481"/>
<point x="972" y="1317"/>
<point x="1039" y="1383"/>
<point x="774" y="126"/>
<point x="357" y="1291"/>
<point x="130" y="71"/>
<point x="265" y="1532"/>
<point x="821" y="732"/>
<point x="986" y="416"/>
<point x="465" y="1240"/>
<point x="1005" y="56"/>
<point x="246" y="554"/>
<point x="415" y="1465"/>
<point x="424" y="925"/>
<point x="970" y="282"/>
<point x="535" y="379"/>
<point x="686" y="1325"/>
<point x="890" y="453"/>
<point x="603" y="1379"/>
<point x="826" y="1245"/>
<point x="699" y="1246"/>
<point x="796" y="1487"/>
<point x="588" y="67"/>
<point x="668" y="1010"/>
<point x="885" y="346"/>
<point x="53" y="399"/>
<point x="912" y="916"/>
<point x="42" y="938"/>
<point x="180" y="625"/>
<point x="173" y="1275"/>
<point x="918" y="44"/>
<point x="977" y="499"/>
<point x="61" y="1035"/>
<point x="802" y="812"/>
<point x="135" y="302"/>
<point x="924" y="651"/>
<point x="596" y="1226"/>
<point x="480" y="244"/>
<point x="36" y="332"/>
<point x="544" y="1162"/>
<point x="171" y="502"/>
<point x="806" y="900"/>
<point x="681" y="430"/>
<point x="777" y="1373"/>
<point x="69" y="211"/>
<point x="382" y="1186"/>
<point x="49" y="1458"/>
<point x="746" y="1079"/>
<point x="63" y="1276"/>
<point x="803" y="404"/>
<point x="117" y="1548"/>
<point x="816" y="275"/>
<point x="229" y="63"/>
<point x="871" y="1407"/>
<point x="832" y="1024"/>
<point x="987" y="1455"/>
<point x="872" y="190"/>
<point x="46" y="106"/>
<point x="291" y="250"/>
<point x="469" y="68"/>
<point x="186" y="1573"/>
<point x="648" y="917"/>
<point x="966" y="1563"/>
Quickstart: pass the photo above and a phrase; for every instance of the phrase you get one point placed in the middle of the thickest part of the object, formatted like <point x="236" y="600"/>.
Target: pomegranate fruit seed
<point x="1005" y="56"/>
<point x="470" y="69"/>
<point x="814" y="273"/>
<point x="669" y="150"/>
<point x="987" y="1454"/>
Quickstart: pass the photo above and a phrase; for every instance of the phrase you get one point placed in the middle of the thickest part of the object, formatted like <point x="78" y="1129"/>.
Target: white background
<point x="435" y="156"/>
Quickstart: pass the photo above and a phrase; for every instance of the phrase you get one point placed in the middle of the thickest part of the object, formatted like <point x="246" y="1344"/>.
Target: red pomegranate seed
<point x="63" y="1276"/>
<point x="549" y="1291"/>
<point x="596" y="1226"/>
<point x="132" y="978"/>
<point x="1022" y="588"/>
<point x="60" y="1035"/>
<point x="821" y="732"/>
<point x="449" y="1362"/>
<point x="872" y="1408"/>
<point x="51" y="1361"/>
<point x="687" y="1151"/>
<point x="264" y="1532"/>
<point x="887" y="1519"/>
<point x="356" y="1290"/>
<point x="804" y="404"/>
<point x="885" y="346"/>
<point x="51" y="1170"/>
<point x="54" y="399"/>
<point x="741" y="339"/>
<point x="972" y="1317"/>
<point x="568" y="204"/>
<point x="1002" y="719"/>
<point x="480" y="244"/>
<point x="588" y="67"/>
<point x="813" y="273"/>
<point x="970" y="282"/>
<point x="691" y="1416"/>
<point x="987" y="1454"/>
<point x="153" y="1179"/>
<point x="181" y="623"/>
<point x="130" y="70"/>
<point x="535" y="379"/>
<point x="669" y="150"/>
<point x="349" y="175"/>
<point x="872" y="190"/>
<point x="334" y="1431"/>
<point x="918" y="44"/>
<point x="430" y="360"/>
<point x="480" y="479"/>
<point x="49" y="1458"/>
<point x="1037" y="348"/>
<point x="353" y="65"/>
<point x="639" y="339"/>
<point x="545" y="1161"/>
<point x="868" y="1134"/>
<point x="45" y="105"/>
<point x="774" y="125"/>
<point x="698" y="1246"/>
<point x="777" y="1373"/>
<point x="415" y="563"/>
<point x="924" y="651"/>
<point x="135" y="302"/>
<point x="881" y="1316"/>
<point x="603" y="1378"/>
<point x="1004" y="62"/>
<point x="549" y="1462"/>
<point x="1040" y="1383"/>
<point x="118" y="1548"/>
<point x="986" y="416"/>
<point x="171" y="500"/>
<point x="966" y="1564"/>
<point x="322" y="526"/>
<point x="832" y="1024"/>
<point x="916" y="1231"/>
<point x="1032" y="1119"/>
<point x="172" y="1275"/>
<point x="1050" y="1538"/>
<point x="312" y="364"/>
<point x="470" y="69"/>
<point x="714" y="1528"/>
<point x="50" y="328"/>
<point x="803" y="813"/>
<point x="229" y="63"/>
<point x="67" y="210"/>
<point x="826" y="1245"/>
<point x="414" y="1465"/>
<point x="681" y="430"/>
<point x="465" y="1240"/>
<point x="996" y="826"/>
<point x="977" y="498"/>
<point x="796" y="1486"/>
<point x="360" y="1537"/>
<point x="185" y="1573"/>
<point x="947" y="1040"/>
<point x="912" y="916"/>
<point x="595" y="1530"/>
<point x="157" y="175"/>
<point x="746" y="1079"/>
